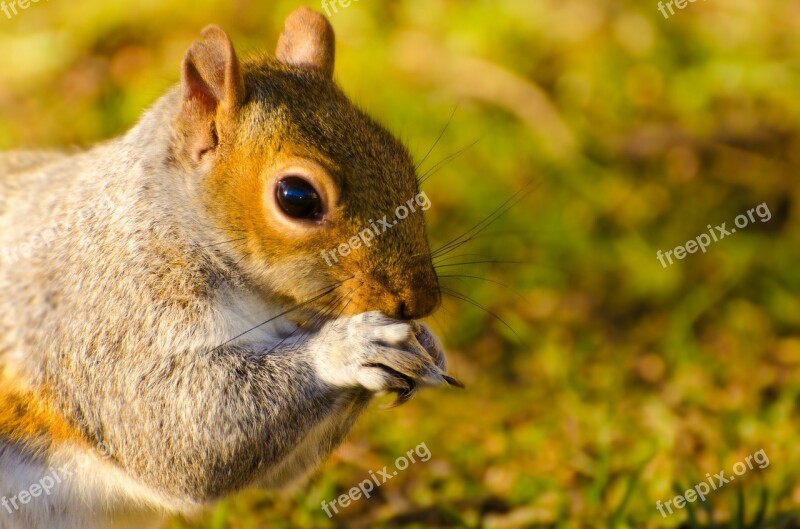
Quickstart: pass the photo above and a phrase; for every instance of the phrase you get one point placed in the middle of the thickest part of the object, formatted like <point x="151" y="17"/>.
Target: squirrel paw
<point x="378" y="353"/>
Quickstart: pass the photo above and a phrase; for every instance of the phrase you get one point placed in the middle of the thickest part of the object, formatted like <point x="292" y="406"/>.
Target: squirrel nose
<point x="417" y="305"/>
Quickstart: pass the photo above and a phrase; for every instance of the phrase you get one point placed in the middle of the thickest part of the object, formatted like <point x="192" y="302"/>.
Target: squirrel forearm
<point x="224" y="420"/>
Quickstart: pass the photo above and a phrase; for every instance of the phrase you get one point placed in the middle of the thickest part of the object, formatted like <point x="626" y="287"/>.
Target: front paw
<point x="378" y="353"/>
<point x="433" y="346"/>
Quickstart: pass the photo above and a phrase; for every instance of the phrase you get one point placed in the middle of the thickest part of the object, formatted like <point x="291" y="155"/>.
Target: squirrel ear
<point x="308" y="41"/>
<point x="211" y="85"/>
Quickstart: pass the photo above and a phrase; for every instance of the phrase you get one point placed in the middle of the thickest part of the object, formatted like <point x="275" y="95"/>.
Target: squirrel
<point x="169" y="333"/>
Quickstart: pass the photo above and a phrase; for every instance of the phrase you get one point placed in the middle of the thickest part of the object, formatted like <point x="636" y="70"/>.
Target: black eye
<point x="298" y="199"/>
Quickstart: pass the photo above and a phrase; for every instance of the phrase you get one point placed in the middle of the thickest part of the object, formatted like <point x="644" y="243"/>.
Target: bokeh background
<point x="598" y="381"/>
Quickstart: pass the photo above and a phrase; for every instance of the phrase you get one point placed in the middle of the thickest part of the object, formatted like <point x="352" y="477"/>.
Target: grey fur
<point x="120" y="308"/>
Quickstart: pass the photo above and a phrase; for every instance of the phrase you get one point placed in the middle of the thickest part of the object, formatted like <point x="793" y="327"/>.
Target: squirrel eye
<point x="298" y="199"/>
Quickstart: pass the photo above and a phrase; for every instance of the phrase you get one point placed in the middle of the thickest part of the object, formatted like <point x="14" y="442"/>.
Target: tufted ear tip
<point x="307" y="41"/>
<point x="211" y="70"/>
<point x="212" y="86"/>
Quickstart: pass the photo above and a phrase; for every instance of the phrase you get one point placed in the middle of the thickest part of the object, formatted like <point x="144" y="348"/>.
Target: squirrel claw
<point x="403" y="396"/>
<point x="454" y="382"/>
<point x="407" y="393"/>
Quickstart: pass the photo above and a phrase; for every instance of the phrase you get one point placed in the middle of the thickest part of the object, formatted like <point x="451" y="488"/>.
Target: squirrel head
<point x="313" y="193"/>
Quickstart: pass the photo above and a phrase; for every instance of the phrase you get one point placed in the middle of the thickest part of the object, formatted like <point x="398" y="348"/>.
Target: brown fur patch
<point x="29" y="421"/>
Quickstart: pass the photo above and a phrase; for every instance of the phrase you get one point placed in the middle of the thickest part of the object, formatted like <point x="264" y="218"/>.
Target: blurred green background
<point x="620" y="378"/>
